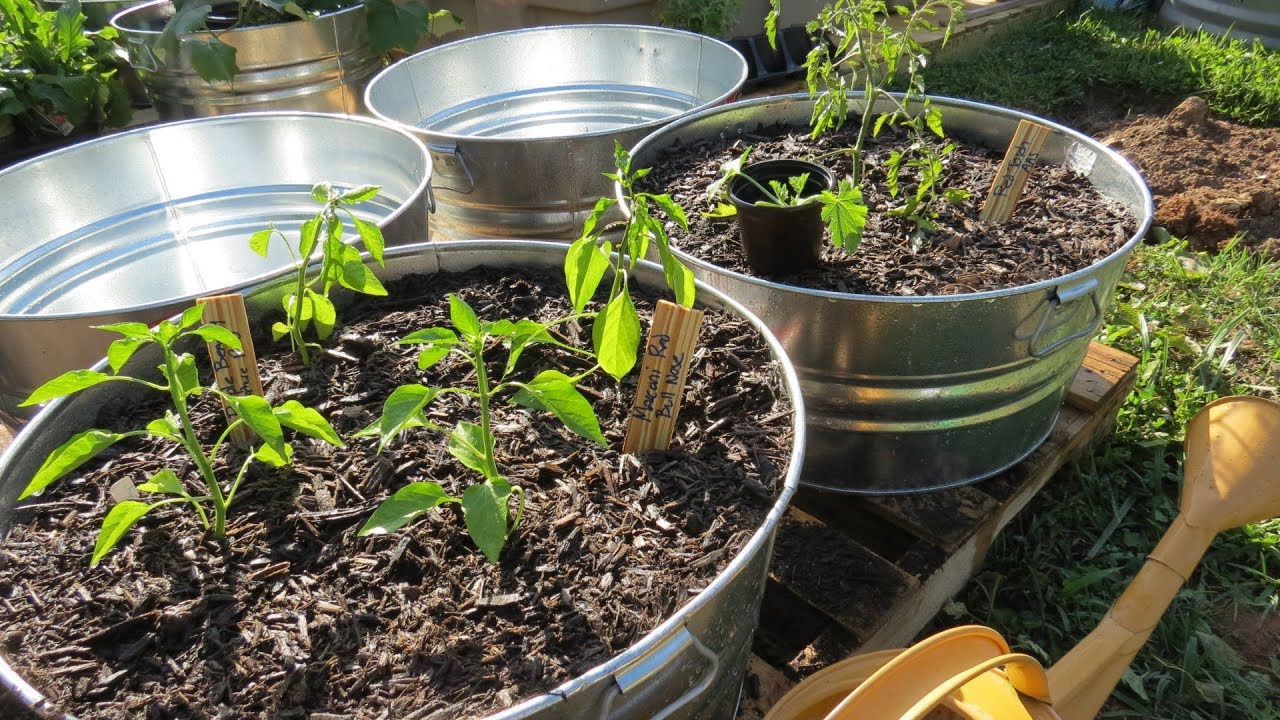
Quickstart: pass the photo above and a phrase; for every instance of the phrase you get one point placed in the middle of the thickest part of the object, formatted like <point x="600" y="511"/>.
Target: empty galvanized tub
<point x="522" y="124"/>
<point x="919" y="393"/>
<point x="1243" y="19"/>
<point x="133" y="226"/>
<point x="690" y="667"/>
<point x="321" y="64"/>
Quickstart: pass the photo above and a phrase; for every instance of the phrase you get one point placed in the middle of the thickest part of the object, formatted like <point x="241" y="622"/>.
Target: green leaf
<point x="372" y="238"/>
<point x="359" y="194"/>
<point x="214" y="60"/>
<point x="258" y="415"/>
<point x="128" y="329"/>
<point x="188" y="376"/>
<point x="463" y="317"/>
<point x="188" y="18"/>
<point x="324" y="314"/>
<point x="468" y="443"/>
<point x="119" y="351"/>
<point x="933" y="118"/>
<point x="679" y="278"/>
<point x="553" y="390"/>
<point x="68" y="456"/>
<point x="617" y="336"/>
<point x="602" y="206"/>
<point x="355" y="275"/>
<point x="721" y="211"/>
<point x="116" y="524"/>
<point x="392" y="25"/>
<point x="527" y="334"/>
<point x="259" y="241"/>
<point x="484" y="508"/>
<point x="584" y="267"/>
<point x="404" y="506"/>
<point x="219" y="334"/>
<point x="164" y="481"/>
<point x="672" y="209"/>
<point x="308" y="235"/>
<point x="321" y="192"/>
<point x="191" y="317"/>
<point x="166" y="427"/>
<point x="430" y="336"/>
<point x="279" y="330"/>
<point x="72" y="381"/>
<point x="771" y="24"/>
<point x="845" y="215"/>
<point x="401" y="410"/>
<point x="296" y="416"/>
<point x="69" y="23"/>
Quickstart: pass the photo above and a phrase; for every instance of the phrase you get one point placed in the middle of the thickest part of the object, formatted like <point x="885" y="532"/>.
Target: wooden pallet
<point x="892" y="562"/>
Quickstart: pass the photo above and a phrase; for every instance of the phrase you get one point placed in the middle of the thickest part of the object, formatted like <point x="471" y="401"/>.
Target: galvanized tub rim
<point x="423" y="186"/>
<point x="763" y="535"/>
<point x="140" y="9"/>
<point x="437" y="136"/>
<point x="1144" y="221"/>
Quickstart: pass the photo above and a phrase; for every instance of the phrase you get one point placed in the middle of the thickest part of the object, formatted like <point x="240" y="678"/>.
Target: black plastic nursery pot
<point x="780" y="240"/>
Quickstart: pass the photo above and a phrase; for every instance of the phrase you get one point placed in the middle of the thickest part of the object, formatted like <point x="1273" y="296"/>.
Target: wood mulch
<point x="1061" y="225"/>
<point x="293" y="616"/>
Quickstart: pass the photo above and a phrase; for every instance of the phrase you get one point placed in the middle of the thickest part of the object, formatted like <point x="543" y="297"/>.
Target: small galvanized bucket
<point x="320" y="65"/>
<point x="133" y="226"/>
<point x="522" y="124"/>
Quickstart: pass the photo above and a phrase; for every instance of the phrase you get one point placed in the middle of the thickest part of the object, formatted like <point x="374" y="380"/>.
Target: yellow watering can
<point x="1231" y="477"/>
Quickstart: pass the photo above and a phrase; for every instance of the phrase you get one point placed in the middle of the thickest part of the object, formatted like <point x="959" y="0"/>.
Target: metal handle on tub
<point x="658" y="662"/>
<point x="451" y="159"/>
<point x="1066" y="297"/>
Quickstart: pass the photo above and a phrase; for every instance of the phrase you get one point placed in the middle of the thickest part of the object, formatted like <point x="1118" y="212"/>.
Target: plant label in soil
<point x="234" y="372"/>
<point x="1011" y="178"/>
<point x="667" y="353"/>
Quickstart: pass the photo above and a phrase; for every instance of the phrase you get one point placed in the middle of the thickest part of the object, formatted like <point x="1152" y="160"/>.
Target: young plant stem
<point x="203" y="464"/>
<point x="295" y="328"/>
<point x="482" y="384"/>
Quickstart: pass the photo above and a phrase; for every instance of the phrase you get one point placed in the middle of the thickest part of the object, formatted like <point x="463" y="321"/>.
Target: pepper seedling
<point x="843" y="211"/>
<point x="181" y="382"/>
<point x="485" y="505"/>
<point x="340" y="263"/>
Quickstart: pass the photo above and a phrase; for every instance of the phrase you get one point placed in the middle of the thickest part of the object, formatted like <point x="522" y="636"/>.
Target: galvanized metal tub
<point x="522" y="124"/>
<point x="133" y="226"/>
<point x="1243" y="19"/>
<point x="919" y="393"/>
<point x="320" y="65"/>
<point x="689" y="668"/>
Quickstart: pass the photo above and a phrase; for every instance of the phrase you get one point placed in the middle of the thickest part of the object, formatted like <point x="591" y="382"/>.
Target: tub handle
<point x="431" y="198"/>
<point x="451" y="158"/>
<point x="1065" y="297"/>
<point x="657" y="663"/>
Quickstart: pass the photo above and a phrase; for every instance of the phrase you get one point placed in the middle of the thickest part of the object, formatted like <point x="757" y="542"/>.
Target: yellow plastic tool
<point x="1231" y="477"/>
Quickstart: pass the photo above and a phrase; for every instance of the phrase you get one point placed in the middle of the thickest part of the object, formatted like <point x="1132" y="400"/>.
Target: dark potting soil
<point x="1061" y="224"/>
<point x="296" y="617"/>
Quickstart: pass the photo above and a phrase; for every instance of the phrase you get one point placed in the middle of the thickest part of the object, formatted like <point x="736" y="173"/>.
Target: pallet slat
<point x="913" y="552"/>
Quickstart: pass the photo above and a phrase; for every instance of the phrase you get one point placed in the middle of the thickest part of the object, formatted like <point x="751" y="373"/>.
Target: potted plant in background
<point x="197" y="58"/>
<point x="919" y="371"/>
<point x="60" y="83"/>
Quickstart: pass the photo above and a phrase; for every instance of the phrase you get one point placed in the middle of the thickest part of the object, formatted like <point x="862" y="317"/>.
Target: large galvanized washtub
<point x="917" y="393"/>
<point x="135" y="225"/>
<point x="690" y="667"/>
<point x="319" y="65"/>
<point x="522" y="124"/>
<point x="1243" y="19"/>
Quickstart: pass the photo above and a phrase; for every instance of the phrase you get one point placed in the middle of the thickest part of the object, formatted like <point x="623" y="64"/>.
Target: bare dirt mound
<point x="1211" y="178"/>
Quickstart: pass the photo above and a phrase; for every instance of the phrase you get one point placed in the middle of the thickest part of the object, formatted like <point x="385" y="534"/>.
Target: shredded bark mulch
<point x="1061" y="224"/>
<point x="293" y="616"/>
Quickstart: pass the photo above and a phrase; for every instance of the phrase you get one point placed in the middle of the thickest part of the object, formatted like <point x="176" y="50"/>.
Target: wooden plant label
<point x="1019" y="160"/>
<point x="667" y="353"/>
<point x="236" y="373"/>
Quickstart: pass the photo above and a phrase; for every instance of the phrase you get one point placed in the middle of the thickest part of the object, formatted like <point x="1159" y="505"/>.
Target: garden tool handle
<point x="1085" y="677"/>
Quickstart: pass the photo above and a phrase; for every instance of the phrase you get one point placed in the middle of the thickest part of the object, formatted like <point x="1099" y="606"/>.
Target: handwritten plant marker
<point x="1019" y="160"/>
<point x="235" y="373"/>
<point x="667" y="352"/>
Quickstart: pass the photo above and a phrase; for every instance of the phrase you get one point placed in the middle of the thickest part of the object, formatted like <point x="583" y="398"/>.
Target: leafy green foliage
<point x="616" y="333"/>
<point x="181" y="382"/>
<point x="340" y="263"/>
<point x="54" y="77"/>
<point x="709" y="17"/>
<point x="391" y="25"/>
<point x="484" y="504"/>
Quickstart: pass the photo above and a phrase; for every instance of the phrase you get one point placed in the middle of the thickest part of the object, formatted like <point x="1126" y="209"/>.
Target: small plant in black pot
<point x="783" y="209"/>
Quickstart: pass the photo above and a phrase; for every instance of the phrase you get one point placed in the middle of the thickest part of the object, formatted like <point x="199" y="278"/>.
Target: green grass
<point x="1053" y="67"/>
<point x="1203" y="326"/>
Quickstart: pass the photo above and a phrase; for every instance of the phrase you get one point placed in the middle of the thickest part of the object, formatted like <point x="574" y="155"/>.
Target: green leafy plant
<point x="485" y="505"/>
<point x="54" y="77"/>
<point x="920" y="206"/>
<point x="181" y="380"/>
<point x="709" y="17"/>
<point x="391" y="25"/>
<point x="615" y="335"/>
<point x="843" y="211"/>
<point x="340" y="263"/>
